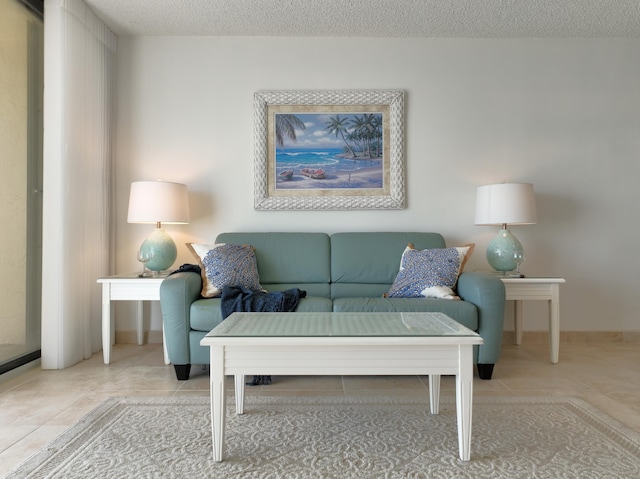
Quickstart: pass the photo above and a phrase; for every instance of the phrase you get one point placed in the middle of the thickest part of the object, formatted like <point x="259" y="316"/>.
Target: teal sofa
<point x="340" y="272"/>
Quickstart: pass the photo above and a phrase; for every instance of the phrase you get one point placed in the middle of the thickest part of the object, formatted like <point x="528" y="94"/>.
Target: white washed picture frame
<point x="389" y="102"/>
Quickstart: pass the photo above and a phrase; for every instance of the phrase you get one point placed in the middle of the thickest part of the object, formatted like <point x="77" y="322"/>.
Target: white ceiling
<point x="373" y="18"/>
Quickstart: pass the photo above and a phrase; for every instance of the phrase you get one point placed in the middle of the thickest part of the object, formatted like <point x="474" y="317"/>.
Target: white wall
<point x="562" y="114"/>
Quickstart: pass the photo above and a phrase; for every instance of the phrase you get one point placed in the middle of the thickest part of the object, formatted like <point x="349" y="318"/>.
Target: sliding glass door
<point x="21" y="92"/>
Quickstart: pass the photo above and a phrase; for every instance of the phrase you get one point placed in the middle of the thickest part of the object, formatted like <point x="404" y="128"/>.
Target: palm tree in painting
<point x="377" y="124"/>
<point x="367" y="129"/>
<point x="373" y="123"/>
<point x="337" y="125"/>
<point x="286" y="126"/>
<point x="363" y="127"/>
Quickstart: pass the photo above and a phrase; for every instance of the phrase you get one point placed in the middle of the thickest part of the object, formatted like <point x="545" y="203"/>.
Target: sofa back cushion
<point x="365" y="264"/>
<point x="287" y="260"/>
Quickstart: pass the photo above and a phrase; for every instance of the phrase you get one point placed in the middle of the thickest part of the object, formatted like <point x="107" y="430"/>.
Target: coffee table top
<point x="339" y="325"/>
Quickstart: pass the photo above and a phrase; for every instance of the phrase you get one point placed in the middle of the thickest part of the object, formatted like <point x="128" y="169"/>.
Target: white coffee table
<point x="342" y="344"/>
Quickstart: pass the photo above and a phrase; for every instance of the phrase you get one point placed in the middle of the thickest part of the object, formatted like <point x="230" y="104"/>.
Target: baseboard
<point x="631" y="336"/>
<point x="576" y="336"/>
<point x="131" y="337"/>
<point x="155" y="337"/>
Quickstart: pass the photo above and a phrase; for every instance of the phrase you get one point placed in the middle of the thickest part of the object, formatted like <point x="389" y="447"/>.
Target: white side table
<point x="519" y="289"/>
<point x="127" y="287"/>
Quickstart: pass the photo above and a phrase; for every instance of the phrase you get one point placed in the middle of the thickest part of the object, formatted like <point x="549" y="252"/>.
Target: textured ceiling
<point x="373" y="18"/>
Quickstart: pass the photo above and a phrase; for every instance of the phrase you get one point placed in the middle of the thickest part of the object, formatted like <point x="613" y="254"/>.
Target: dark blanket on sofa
<point x="239" y="299"/>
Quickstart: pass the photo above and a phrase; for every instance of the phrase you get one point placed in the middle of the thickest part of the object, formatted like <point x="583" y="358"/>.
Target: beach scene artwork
<point x="324" y="151"/>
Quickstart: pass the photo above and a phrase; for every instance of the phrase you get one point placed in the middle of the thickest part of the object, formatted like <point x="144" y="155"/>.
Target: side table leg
<point x="140" y="322"/>
<point x="106" y="323"/>
<point x="517" y="320"/>
<point x="217" y="401"/>
<point x="464" y="401"/>
<point x="434" y="393"/>
<point x="554" y="323"/>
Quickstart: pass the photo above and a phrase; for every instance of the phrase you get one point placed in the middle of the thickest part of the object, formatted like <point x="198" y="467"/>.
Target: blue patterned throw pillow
<point x="431" y="273"/>
<point x="226" y="265"/>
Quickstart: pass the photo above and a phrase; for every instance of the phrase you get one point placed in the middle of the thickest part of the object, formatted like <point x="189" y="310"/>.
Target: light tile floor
<point x="38" y="405"/>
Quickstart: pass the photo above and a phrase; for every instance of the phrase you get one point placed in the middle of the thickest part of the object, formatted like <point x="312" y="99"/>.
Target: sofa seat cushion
<point x="315" y="304"/>
<point x="206" y="314"/>
<point x="312" y="289"/>
<point x="462" y="311"/>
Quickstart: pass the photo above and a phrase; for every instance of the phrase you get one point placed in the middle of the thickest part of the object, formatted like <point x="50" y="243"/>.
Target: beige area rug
<point x="323" y="437"/>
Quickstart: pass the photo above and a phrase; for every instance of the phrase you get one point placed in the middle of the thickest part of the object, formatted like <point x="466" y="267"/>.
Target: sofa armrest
<point x="177" y="292"/>
<point x="486" y="291"/>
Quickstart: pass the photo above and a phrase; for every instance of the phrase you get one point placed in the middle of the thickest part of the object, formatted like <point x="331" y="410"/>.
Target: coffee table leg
<point x="217" y="401"/>
<point x="434" y="393"/>
<point x="239" y="391"/>
<point x="464" y="400"/>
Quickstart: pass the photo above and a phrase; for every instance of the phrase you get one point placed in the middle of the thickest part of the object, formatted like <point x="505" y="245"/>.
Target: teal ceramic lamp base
<point x="503" y="251"/>
<point x="161" y="249"/>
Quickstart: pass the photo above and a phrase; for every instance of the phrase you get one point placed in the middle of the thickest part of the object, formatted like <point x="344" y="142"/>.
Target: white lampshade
<point x="158" y="202"/>
<point x="506" y="203"/>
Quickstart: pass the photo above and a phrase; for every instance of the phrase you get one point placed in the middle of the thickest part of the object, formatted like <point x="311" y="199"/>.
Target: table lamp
<point x="505" y="204"/>
<point x="158" y="202"/>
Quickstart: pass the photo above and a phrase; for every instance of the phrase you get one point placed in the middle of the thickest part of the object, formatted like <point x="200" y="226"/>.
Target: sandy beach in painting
<point x="367" y="177"/>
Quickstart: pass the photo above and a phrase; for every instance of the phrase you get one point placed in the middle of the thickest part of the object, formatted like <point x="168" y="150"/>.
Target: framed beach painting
<point x="329" y="150"/>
